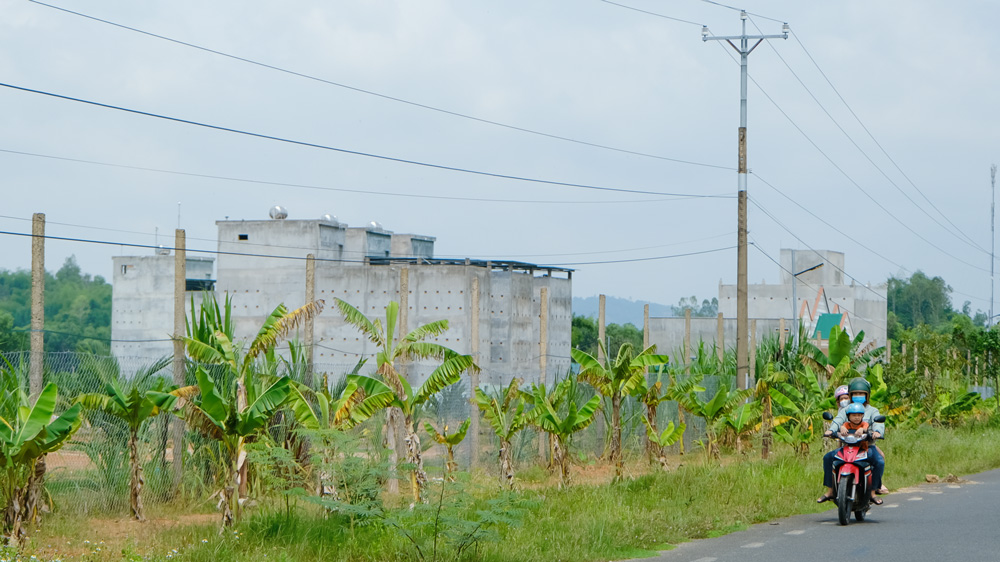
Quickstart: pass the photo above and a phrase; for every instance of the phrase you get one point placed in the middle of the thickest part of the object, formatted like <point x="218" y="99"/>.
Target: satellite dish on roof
<point x="278" y="212"/>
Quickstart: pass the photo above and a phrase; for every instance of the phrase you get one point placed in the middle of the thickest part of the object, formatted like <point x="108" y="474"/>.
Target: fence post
<point x="720" y="340"/>
<point x="36" y="369"/>
<point x="753" y="354"/>
<point x="180" y="325"/>
<point x="473" y="375"/>
<point x="687" y="341"/>
<point x="543" y="351"/>
<point x="601" y="334"/>
<point x="645" y="328"/>
<point x="781" y="333"/>
<point x="310" y="327"/>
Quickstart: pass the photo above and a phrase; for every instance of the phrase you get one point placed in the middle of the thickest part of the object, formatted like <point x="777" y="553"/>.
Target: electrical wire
<point x="651" y="13"/>
<point x="863" y="151"/>
<point x="347" y="151"/>
<point x="326" y="188"/>
<point x="385" y="96"/>
<point x="735" y="8"/>
<point x="848" y="177"/>
<point x="646" y="259"/>
<point x="872" y="137"/>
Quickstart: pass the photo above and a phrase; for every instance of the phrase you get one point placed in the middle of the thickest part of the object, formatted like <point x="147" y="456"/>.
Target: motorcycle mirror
<point x="828" y="416"/>
<point x="879" y="419"/>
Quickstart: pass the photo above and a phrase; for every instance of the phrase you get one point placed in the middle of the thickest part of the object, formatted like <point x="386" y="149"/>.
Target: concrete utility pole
<point x="473" y="375"/>
<point x="310" y="327"/>
<point x="601" y="343"/>
<point x="742" y="360"/>
<point x="37" y="340"/>
<point x="180" y="328"/>
<point x="993" y="236"/>
<point x="543" y="352"/>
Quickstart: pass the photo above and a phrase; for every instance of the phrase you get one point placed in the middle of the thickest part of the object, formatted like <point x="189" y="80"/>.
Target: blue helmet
<point x="855" y="409"/>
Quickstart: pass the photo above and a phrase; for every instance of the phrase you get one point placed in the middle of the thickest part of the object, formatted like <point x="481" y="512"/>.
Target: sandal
<point x="824" y="498"/>
<point x="876" y="501"/>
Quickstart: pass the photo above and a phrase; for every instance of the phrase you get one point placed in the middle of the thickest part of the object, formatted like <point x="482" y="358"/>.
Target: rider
<point x="860" y="391"/>
<point x="842" y="397"/>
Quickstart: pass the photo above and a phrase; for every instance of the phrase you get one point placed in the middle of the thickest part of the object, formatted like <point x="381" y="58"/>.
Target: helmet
<point x="855" y="409"/>
<point x="860" y="385"/>
<point x="841" y="391"/>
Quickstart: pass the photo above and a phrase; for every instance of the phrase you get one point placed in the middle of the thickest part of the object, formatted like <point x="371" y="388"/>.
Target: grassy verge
<point x="634" y="518"/>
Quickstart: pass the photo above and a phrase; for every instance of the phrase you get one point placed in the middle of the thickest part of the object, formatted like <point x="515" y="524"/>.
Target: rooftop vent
<point x="375" y="225"/>
<point x="278" y="213"/>
<point x="161" y="251"/>
<point x="330" y="219"/>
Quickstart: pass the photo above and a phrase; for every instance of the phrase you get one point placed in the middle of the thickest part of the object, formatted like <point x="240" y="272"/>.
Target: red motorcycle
<point x="852" y="481"/>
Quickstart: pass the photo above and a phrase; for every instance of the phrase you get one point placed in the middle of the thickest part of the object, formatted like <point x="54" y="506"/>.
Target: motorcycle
<point x="852" y="483"/>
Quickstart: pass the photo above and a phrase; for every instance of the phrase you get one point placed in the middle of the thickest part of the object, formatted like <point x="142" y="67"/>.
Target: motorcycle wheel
<point x="844" y="502"/>
<point x="859" y="515"/>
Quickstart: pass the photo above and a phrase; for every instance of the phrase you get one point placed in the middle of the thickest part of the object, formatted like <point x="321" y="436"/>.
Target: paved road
<point x="939" y="522"/>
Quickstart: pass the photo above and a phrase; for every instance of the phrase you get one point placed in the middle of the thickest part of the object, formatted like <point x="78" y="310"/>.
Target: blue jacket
<point x="870" y="412"/>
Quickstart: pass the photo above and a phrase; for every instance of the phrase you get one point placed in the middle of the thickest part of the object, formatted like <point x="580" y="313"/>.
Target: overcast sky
<point x="921" y="76"/>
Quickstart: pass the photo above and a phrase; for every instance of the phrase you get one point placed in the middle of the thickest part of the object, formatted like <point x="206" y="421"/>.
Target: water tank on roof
<point x="278" y="212"/>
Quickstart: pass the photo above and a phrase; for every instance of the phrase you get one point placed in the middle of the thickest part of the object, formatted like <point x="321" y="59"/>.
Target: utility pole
<point x="742" y="358"/>
<point x="993" y="237"/>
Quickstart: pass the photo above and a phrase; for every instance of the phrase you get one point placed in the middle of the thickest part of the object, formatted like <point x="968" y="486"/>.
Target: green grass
<point x="635" y="518"/>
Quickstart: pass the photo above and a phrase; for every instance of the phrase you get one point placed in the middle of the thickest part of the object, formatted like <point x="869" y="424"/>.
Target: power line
<point x="385" y="96"/>
<point x="652" y="14"/>
<point x="326" y="188"/>
<point x="721" y="5"/>
<point x="284" y="246"/>
<point x="865" y="153"/>
<point x="849" y="178"/>
<point x="872" y="137"/>
<point x="347" y="151"/>
<point x="303" y="258"/>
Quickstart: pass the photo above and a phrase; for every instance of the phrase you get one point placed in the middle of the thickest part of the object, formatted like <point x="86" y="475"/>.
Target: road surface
<point x="941" y="522"/>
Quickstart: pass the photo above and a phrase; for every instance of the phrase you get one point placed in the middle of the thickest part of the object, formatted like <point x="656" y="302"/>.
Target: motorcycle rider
<point x="841" y="397"/>
<point x="860" y="391"/>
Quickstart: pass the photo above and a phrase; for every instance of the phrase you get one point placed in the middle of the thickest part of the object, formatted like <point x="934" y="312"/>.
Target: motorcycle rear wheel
<point x="845" y="505"/>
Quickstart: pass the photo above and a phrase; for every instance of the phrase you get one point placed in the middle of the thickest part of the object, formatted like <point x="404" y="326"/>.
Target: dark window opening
<point x="244" y="236"/>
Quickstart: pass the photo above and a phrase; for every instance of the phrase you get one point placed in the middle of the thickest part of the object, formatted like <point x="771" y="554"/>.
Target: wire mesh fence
<point x="91" y="474"/>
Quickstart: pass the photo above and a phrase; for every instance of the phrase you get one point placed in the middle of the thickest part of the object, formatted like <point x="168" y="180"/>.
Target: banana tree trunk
<point x="562" y="461"/>
<point x="765" y="429"/>
<point x="418" y="478"/>
<point x="33" y="491"/>
<point x="506" y="465"/>
<point x="451" y="466"/>
<point x="616" y="434"/>
<point x="653" y="451"/>
<point x="13" y="516"/>
<point x="391" y="416"/>
<point x="135" y="495"/>
<point x="680" y="421"/>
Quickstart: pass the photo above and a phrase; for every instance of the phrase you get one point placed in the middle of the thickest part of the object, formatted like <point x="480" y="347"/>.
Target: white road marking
<point x="953" y="486"/>
<point x="915" y="498"/>
<point x="705" y="559"/>
<point x="827" y="523"/>
<point x="796" y="532"/>
<point x="934" y="492"/>
<point x="753" y="545"/>
<point x="890" y="505"/>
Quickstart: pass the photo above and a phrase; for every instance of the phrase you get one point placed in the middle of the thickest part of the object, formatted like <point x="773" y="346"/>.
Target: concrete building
<point x="262" y="263"/>
<point x="142" y="301"/>
<point x="817" y="290"/>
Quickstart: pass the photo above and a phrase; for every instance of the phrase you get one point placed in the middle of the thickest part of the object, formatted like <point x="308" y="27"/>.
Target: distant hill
<point x="620" y="311"/>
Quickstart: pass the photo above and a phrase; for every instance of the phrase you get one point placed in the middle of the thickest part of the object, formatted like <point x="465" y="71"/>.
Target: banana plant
<point x="742" y="422"/>
<point x="803" y="404"/>
<point x="449" y="440"/>
<point x="621" y="378"/>
<point x="27" y="433"/>
<point x="138" y="402"/>
<point x="211" y="340"/>
<point x="507" y="416"/>
<point x="764" y="391"/>
<point x="365" y="396"/>
<point x="393" y="348"/>
<point x="216" y="412"/>
<point x="561" y="427"/>
<point x="840" y="346"/>
<point x="663" y="439"/>
<point x="721" y="404"/>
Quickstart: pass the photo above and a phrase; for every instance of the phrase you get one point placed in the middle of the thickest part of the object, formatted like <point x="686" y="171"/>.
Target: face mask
<point x="858" y="399"/>
<point x="844" y="403"/>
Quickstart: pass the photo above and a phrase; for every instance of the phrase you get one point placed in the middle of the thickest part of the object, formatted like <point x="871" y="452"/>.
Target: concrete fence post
<point x="474" y="376"/>
<point x="720" y="340"/>
<point x="310" y="327"/>
<point x="645" y="328"/>
<point x="180" y="326"/>
<point x="601" y="334"/>
<point x="543" y="351"/>
<point x="781" y="333"/>
<point x="687" y="341"/>
<point x="36" y="369"/>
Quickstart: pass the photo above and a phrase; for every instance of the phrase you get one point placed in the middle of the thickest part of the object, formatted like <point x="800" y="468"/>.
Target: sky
<point x="879" y="118"/>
